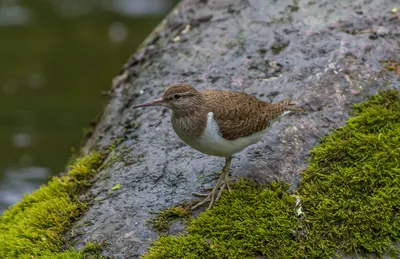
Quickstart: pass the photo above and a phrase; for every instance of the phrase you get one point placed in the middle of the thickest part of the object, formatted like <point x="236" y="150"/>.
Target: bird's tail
<point x="291" y="107"/>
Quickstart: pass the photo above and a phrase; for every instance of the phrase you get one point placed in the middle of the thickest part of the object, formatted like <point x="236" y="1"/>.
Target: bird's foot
<point x="209" y="197"/>
<point x="226" y="182"/>
<point x="215" y="194"/>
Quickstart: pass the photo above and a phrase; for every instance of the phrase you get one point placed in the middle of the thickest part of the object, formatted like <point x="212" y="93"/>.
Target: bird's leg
<point x="225" y="174"/>
<point x="221" y="184"/>
<point x="226" y="178"/>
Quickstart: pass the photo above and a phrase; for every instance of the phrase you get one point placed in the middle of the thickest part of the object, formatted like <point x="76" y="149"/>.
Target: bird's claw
<point x="213" y="197"/>
<point x="226" y="182"/>
<point x="200" y="194"/>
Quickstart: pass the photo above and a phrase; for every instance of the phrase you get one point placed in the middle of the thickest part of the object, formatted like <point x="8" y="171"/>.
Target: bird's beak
<point x="157" y="102"/>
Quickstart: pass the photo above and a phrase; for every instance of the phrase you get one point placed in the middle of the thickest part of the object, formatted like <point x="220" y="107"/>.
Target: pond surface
<point x="56" y="57"/>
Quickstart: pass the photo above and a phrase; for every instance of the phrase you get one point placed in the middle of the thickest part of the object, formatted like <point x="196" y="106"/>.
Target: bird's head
<point x="180" y="98"/>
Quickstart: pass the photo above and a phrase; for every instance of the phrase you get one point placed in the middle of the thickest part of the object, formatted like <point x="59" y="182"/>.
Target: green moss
<point x="279" y="46"/>
<point x="392" y="65"/>
<point x="165" y="218"/>
<point x="350" y="192"/>
<point x="349" y="197"/>
<point x="262" y="51"/>
<point x="249" y="221"/>
<point x="90" y="251"/>
<point x="34" y="226"/>
<point x="294" y="7"/>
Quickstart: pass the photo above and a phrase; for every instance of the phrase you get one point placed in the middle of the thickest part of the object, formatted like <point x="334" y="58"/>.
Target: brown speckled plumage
<point x="237" y="114"/>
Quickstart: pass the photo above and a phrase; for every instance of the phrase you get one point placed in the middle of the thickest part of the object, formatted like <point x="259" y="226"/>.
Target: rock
<point x="319" y="53"/>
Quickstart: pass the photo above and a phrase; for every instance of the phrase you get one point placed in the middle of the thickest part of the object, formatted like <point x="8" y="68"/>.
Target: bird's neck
<point x="190" y="123"/>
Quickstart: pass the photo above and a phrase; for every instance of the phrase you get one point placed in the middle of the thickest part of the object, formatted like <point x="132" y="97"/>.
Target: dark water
<point x="55" y="59"/>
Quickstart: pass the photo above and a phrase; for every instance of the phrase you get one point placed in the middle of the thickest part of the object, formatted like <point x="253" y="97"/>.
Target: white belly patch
<point x="212" y="143"/>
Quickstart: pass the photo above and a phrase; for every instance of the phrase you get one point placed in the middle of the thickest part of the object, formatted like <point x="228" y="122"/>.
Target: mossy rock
<point x="251" y="220"/>
<point x="349" y="201"/>
<point x="350" y="192"/>
<point x="165" y="218"/>
<point x="35" y="226"/>
<point x="348" y="204"/>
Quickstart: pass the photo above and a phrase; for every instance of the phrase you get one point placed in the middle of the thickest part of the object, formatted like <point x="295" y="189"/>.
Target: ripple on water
<point x="14" y="16"/>
<point x="19" y="181"/>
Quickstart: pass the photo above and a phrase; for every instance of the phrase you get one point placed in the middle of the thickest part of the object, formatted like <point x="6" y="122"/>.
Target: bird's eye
<point x="177" y="96"/>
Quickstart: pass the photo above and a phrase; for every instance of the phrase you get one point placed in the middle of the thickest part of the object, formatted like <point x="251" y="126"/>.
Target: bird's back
<point x="240" y="115"/>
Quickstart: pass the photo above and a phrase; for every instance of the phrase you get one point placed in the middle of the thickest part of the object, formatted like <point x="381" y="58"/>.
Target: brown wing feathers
<point x="239" y="115"/>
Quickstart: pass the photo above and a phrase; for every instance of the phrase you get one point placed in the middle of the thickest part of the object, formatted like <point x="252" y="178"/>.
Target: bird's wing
<point x="239" y="114"/>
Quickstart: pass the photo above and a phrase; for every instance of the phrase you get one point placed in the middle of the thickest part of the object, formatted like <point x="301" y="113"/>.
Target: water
<point x="55" y="59"/>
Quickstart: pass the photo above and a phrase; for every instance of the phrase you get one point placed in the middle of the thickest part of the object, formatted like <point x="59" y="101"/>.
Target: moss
<point x="279" y="46"/>
<point x="350" y="192"/>
<point x="165" y="218"/>
<point x="34" y="227"/>
<point x="349" y="201"/>
<point x="251" y="220"/>
<point x="90" y="251"/>
<point x="262" y="51"/>
<point x="294" y="7"/>
<point x="392" y="65"/>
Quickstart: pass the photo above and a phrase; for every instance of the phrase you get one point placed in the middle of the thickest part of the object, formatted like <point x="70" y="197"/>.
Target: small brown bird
<point x="219" y="123"/>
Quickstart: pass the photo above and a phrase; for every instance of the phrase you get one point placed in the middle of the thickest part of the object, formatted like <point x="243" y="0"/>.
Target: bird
<point x="219" y="123"/>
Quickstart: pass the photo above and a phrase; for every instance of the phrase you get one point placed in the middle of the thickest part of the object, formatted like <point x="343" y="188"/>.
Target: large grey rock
<point x="324" y="54"/>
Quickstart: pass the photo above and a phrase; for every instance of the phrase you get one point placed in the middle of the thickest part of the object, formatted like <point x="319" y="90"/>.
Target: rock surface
<point x="325" y="55"/>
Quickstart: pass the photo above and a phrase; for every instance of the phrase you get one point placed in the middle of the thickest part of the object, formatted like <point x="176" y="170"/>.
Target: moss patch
<point x="34" y="227"/>
<point x="250" y="221"/>
<point x="90" y="251"/>
<point x="350" y="192"/>
<point x="349" y="197"/>
<point x="279" y="46"/>
<point x="392" y="65"/>
<point x="165" y="218"/>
